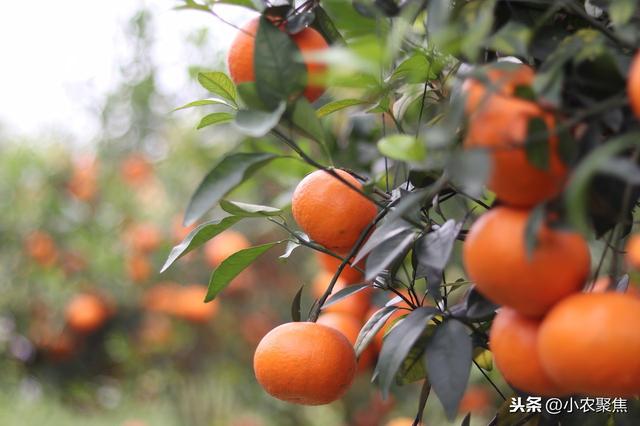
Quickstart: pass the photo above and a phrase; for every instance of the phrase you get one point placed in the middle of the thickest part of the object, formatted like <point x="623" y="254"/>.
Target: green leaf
<point x="230" y="172"/>
<point x="257" y="123"/>
<point x="345" y="292"/>
<point x="448" y="357"/>
<point x="398" y="343"/>
<point x="403" y="148"/>
<point x="418" y="68"/>
<point x="334" y="106"/>
<point x="232" y="266"/>
<point x="621" y="11"/>
<point x="237" y="208"/>
<point x="278" y="72"/>
<point x="576" y="193"/>
<point x="535" y="221"/>
<point x="512" y="39"/>
<point x="537" y="144"/>
<point x="198" y="237"/>
<point x="249" y="96"/>
<point x="215" y="118"/>
<point x="372" y="327"/>
<point x="389" y="253"/>
<point x="204" y="102"/>
<point x="327" y="28"/>
<point x="295" y="305"/>
<point x="477" y="307"/>
<point x="220" y="84"/>
<point x="305" y="119"/>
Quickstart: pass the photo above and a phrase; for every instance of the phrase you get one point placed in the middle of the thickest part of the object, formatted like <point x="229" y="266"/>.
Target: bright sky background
<point x="59" y="57"/>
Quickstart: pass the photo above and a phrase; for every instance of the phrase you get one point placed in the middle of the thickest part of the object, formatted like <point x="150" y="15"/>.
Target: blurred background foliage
<point x="101" y="219"/>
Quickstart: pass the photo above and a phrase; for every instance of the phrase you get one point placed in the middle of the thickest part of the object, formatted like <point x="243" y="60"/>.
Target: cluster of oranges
<point x="549" y="338"/>
<point x="314" y="363"/>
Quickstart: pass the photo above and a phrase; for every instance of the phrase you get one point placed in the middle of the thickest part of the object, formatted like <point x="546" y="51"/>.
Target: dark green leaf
<point x="215" y="118"/>
<point x="398" y="343"/>
<point x="347" y="291"/>
<point x="537" y="145"/>
<point x="433" y="251"/>
<point x="237" y="208"/>
<point x="448" y="356"/>
<point x="258" y="123"/>
<point x="198" y="237"/>
<point x="249" y="96"/>
<point x="477" y="307"/>
<point x="467" y="420"/>
<point x="470" y="170"/>
<point x="418" y="68"/>
<point x="295" y="306"/>
<point x="305" y="119"/>
<point x="389" y="252"/>
<point x="220" y="84"/>
<point x="232" y="266"/>
<point x="535" y="221"/>
<point x="512" y="39"/>
<point x="326" y="27"/>
<point x="388" y="229"/>
<point x="279" y="74"/>
<point x="231" y="171"/>
<point x="373" y="325"/>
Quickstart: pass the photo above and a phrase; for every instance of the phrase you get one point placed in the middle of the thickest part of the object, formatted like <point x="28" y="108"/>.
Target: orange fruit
<point x="224" y="245"/>
<point x="305" y="363"/>
<point x="503" y="82"/>
<point x="513" y="340"/>
<point x="633" y="251"/>
<point x="135" y="169"/>
<point x="190" y="305"/>
<point x="590" y="343"/>
<point x="477" y="399"/>
<point x="350" y="327"/>
<point x="355" y="305"/>
<point x="330" y="264"/>
<point x="496" y="259"/>
<point x="501" y="127"/>
<point x="241" y="53"/>
<point x="633" y="85"/>
<point x="155" y="330"/>
<point x="329" y="211"/>
<point x="83" y="183"/>
<point x="41" y="247"/>
<point x="401" y="421"/>
<point x="139" y="268"/>
<point x="143" y="237"/>
<point x="161" y="297"/>
<point x="86" y="312"/>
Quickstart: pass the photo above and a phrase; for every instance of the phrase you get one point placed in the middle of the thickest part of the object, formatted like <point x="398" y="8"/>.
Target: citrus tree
<point x="473" y="174"/>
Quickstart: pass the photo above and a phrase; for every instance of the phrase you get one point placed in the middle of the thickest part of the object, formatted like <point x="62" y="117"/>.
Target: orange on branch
<point x="350" y="327"/>
<point x="496" y="259"/>
<point x="500" y="126"/>
<point x="355" y="305"/>
<point x="513" y="340"/>
<point x="632" y="249"/>
<point x="329" y="211"/>
<point x="305" y="363"/>
<point x="590" y="343"/>
<point x="503" y="81"/>
<point x="330" y="264"/>
<point x="633" y="85"/>
<point x="241" y="57"/>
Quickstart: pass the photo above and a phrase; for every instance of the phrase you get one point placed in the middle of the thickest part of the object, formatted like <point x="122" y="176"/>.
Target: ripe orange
<point x="350" y="327"/>
<point x="330" y="212"/>
<point x="330" y="264"/>
<point x="135" y="169"/>
<point x="355" y="305"/>
<point x="500" y="127"/>
<point x="139" y="268"/>
<point x="83" y="183"/>
<point x="400" y="421"/>
<point x="224" y="245"/>
<point x="590" y="343"/>
<point x="86" y="312"/>
<point x="503" y="82"/>
<point x="633" y="251"/>
<point x="477" y="399"/>
<point x="496" y="259"/>
<point x="190" y="305"/>
<point x="241" y="53"/>
<point x="513" y="340"/>
<point x="305" y="363"/>
<point x="161" y="297"/>
<point x="41" y="247"/>
<point x="143" y="237"/>
<point x="633" y="85"/>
